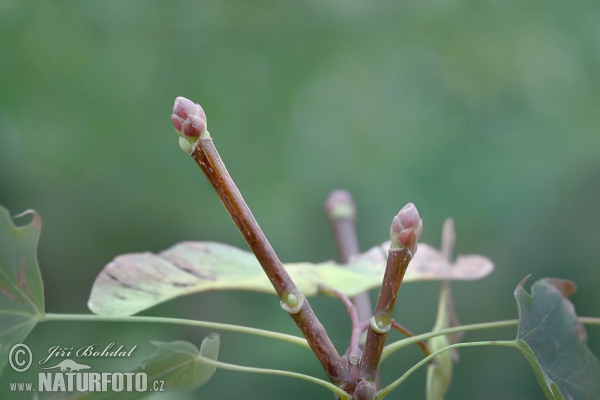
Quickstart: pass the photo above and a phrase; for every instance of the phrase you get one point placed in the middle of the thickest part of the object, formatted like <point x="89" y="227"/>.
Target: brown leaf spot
<point x="567" y="288"/>
<point x="8" y="294"/>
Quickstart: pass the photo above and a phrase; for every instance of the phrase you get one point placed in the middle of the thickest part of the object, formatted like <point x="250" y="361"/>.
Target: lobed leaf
<point x="134" y="282"/>
<point x="21" y="287"/>
<point x="554" y="341"/>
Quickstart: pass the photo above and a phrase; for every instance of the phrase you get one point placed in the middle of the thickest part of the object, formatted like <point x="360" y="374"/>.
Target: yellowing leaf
<point x="134" y="282"/>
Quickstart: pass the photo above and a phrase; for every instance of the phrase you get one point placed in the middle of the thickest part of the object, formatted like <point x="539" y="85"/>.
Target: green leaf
<point x="21" y="288"/>
<point x="177" y="364"/>
<point x="134" y="282"/>
<point x="554" y="341"/>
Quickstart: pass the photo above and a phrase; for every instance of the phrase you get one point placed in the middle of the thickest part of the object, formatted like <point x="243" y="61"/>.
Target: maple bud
<point x="406" y="229"/>
<point x="189" y="119"/>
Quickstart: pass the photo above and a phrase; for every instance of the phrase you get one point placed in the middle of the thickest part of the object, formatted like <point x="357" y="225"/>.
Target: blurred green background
<point x="484" y="111"/>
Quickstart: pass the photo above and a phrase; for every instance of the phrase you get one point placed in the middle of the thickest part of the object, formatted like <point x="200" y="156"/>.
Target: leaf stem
<point x="177" y="321"/>
<point x="357" y="331"/>
<point x="386" y="390"/>
<point x="392" y="347"/>
<point x="408" y="333"/>
<point x="387" y="351"/>
<point x="590" y="320"/>
<point x="232" y="367"/>
<point x="395" y="346"/>
<point x="353" y="351"/>
<point x="206" y="156"/>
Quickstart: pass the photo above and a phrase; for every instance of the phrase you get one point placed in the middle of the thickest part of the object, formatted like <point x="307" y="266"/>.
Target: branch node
<point x="293" y="303"/>
<point x="379" y="326"/>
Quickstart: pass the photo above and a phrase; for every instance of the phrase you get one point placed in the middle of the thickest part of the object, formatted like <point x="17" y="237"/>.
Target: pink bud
<point x="183" y="108"/>
<point x="188" y="118"/>
<point x="406" y="228"/>
<point x="177" y="122"/>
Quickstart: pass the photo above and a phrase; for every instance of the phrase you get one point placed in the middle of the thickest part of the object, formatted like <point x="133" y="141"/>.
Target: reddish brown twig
<point x="190" y="122"/>
<point x="341" y="213"/>
<point x="355" y="378"/>
<point x="408" y="333"/>
<point x="380" y="323"/>
<point x="206" y="156"/>
<point x="404" y="234"/>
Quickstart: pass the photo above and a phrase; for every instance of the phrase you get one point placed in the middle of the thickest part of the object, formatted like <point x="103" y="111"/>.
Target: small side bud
<point x="292" y="303"/>
<point x="185" y="145"/>
<point x="189" y="119"/>
<point x="354" y="359"/>
<point x="292" y="300"/>
<point x="339" y="204"/>
<point x="379" y="325"/>
<point x="406" y="229"/>
<point x="365" y="390"/>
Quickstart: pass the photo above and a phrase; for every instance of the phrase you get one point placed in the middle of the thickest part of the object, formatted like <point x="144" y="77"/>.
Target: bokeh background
<point x="484" y="111"/>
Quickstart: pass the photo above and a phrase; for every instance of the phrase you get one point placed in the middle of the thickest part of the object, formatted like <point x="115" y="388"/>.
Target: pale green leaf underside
<point x="554" y="341"/>
<point x="21" y="288"/>
<point x="134" y="282"/>
<point x="177" y="364"/>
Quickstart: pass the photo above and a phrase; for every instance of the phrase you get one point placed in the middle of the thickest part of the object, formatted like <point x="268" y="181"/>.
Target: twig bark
<point x="381" y="321"/>
<point x="341" y="213"/>
<point x="206" y="156"/>
<point x="189" y="121"/>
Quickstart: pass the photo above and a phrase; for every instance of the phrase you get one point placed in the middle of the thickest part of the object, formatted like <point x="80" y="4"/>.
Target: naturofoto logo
<point x="70" y="379"/>
<point x="71" y="376"/>
<point x="69" y="366"/>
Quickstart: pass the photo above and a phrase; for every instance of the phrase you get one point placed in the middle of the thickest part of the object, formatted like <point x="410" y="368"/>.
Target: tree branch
<point x="341" y="213"/>
<point x="190" y="123"/>
<point x="404" y="234"/>
<point x="381" y="321"/>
